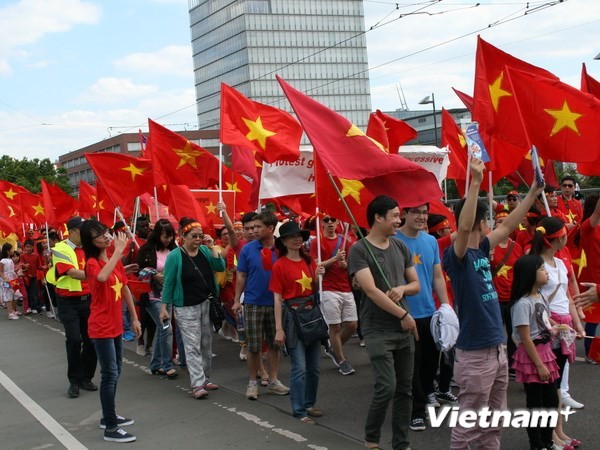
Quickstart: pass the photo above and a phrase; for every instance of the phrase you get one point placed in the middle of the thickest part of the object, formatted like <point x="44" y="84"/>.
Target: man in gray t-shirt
<point x="388" y="328"/>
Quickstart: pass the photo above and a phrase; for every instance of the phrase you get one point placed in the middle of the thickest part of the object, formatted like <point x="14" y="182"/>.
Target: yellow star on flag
<point x="81" y="263"/>
<point x="187" y="155"/>
<point x="462" y="140"/>
<point x="10" y="194"/>
<point x="541" y="160"/>
<point x="117" y="287"/>
<point x="496" y="91"/>
<point x="563" y="118"/>
<point x="503" y="272"/>
<point x="39" y="210"/>
<point x="101" y="205"/>
<point x="581" y="262"/>
<point x="12" y="211"/>
<point x="211" y="208"/>
<point x="417" y="259"/>
<point x="355" y="131"/>
<point x="351" y="188"/>
<point x="257" y="132"/>
<point x="305" y="282"/>
<point x="134" y="170"/>
<point x="571" y="216"/>
<point x="233" y="187"/>
<point x="95" y="201"/>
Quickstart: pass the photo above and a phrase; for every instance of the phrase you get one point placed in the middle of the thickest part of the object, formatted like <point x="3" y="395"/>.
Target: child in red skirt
<point x="534" y="360"/>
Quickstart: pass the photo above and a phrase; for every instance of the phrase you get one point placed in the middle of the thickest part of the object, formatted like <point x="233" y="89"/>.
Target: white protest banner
<point x="435" y="160"/>
<point x="289" y="178"/>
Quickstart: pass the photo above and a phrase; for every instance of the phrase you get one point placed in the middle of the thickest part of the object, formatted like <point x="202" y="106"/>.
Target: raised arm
<point x="467" y="214"/>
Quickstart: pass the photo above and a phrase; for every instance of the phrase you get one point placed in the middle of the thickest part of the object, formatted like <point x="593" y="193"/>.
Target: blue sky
<point x="74" y="72"/>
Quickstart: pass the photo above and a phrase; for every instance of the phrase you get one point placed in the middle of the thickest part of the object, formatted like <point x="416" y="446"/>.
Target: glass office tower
<point x="318" y="46"/>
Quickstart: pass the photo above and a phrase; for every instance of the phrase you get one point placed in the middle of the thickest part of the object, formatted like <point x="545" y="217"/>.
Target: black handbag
<point x="216" y="311"/>
<point x="308" y="319"/>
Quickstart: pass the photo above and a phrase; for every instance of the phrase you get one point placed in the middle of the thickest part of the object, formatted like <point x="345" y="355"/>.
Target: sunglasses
<point x="196" y="236"/>
<point x="568" y="185"/>
<point x="329" y="220"/>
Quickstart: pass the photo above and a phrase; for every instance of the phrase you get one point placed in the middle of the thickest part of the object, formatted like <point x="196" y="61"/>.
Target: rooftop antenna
<point x="403" y="104"/>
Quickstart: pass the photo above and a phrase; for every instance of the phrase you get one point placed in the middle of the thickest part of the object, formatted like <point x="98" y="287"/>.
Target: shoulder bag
<point x="216" y="310"/>
<point x="307" y="316"/>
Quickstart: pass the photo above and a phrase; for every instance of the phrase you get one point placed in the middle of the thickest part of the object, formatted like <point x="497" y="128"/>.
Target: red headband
<point x="560" y="233"/>
<point x="189" y="226"/>
<point x="440" y="226"/>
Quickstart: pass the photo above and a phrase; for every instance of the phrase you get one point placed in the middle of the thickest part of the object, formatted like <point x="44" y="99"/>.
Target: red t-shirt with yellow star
<point x="292" y="279"/>
<point x="106" y="313"/>
<point x="505" y="274"/>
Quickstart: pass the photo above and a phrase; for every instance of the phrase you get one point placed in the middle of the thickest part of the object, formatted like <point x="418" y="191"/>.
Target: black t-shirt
<point x="195" y="289"/>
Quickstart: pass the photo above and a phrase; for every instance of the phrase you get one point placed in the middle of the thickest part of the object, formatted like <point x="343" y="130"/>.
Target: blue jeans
<point x="163" y="340"/>
<point x="110" y="357"/>
<point x="304" y="377"/>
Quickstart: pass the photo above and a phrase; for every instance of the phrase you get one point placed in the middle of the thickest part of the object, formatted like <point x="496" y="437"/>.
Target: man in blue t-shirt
<point x="253" y="276"/>
<point x="426" y="260"/>
<point x="481" y="367"/>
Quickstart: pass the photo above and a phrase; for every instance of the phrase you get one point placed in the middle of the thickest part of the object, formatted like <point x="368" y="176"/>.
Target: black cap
<point x="75" y="222"/>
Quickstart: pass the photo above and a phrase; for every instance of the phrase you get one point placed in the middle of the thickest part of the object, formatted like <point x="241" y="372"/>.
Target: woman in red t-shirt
<point x="108" y="287"/>
<point x="292" y="279"/>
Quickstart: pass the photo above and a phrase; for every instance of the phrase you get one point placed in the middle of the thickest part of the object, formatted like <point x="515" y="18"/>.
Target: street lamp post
<point x="430" y="99"/>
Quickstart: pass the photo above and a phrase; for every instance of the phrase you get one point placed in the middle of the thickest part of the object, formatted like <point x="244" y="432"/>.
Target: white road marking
<point x="64" y="437"/>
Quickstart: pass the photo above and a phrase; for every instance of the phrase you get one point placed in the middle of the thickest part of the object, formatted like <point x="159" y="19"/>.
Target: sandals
<point x="199" y="392"/>
<point x="171" y="374"/>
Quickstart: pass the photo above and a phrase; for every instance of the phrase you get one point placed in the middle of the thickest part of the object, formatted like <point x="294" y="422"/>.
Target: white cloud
<point x="171" y="60"/>
<point x="25" y="22"/>
<point x="113" y="90"/>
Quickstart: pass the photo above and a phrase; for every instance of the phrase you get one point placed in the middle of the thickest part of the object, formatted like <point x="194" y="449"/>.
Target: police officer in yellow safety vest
<point x="73" y="299"/>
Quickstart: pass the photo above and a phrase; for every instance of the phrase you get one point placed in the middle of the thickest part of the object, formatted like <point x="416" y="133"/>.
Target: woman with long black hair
<point x="108" y="287"/>
<point x="153" y="255"/>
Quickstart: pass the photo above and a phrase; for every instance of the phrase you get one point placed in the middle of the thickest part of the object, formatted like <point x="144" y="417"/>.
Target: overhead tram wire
<point x="537" y="7"/>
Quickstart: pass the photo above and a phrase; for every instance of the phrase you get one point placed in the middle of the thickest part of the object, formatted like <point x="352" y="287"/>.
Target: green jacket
<point x="173" y="289"/>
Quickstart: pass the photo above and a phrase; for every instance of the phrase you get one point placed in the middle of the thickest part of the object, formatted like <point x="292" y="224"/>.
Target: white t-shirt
<point x="557" y="275"/>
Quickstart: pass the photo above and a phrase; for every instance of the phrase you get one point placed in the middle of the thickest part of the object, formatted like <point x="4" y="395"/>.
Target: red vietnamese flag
<point x="179" y="161"/>
<point x="354" y="192"/>
<point x="589" y="84"/>
<point x="59" y="205"/>
<point x="505" y="157"/>
<point x="6" y="227"/>
<point x="453" y="138"/>
<point x="274" y="133"/>
<point x="398" y="132"/>
<point x="249" y="163"/>
<point x="122" y="176"/>
<point x="465" y="98"/>
<point x="344" y="150"/>
<point x="494" y="104"/>
<point x="10" y="197"/>
<point x="376" y="131"/>
<point x="87" y="204"/>
<point x="32" y="207"/>
<point x="561" y="121"/>
<point x="524" y="173"/>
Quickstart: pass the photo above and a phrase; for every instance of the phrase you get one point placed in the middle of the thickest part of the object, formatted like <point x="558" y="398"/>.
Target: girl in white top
<point x="8" y="274"/>
<point x="549" y="239"/>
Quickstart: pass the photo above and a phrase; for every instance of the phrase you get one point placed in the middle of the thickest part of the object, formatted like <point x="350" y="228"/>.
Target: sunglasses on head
<point x="329" y="219"/>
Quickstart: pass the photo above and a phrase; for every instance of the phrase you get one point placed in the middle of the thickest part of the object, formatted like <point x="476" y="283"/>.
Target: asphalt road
<point x="37" y="414"/>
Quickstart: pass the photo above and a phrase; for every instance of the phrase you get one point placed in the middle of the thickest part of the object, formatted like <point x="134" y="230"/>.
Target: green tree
<point x="28" y="173"/>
